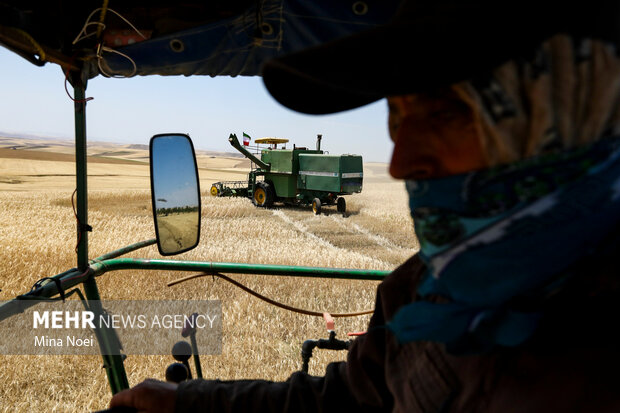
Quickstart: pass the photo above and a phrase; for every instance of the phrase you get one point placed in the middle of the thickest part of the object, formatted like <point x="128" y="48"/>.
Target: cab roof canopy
<point x="148" y="37"/>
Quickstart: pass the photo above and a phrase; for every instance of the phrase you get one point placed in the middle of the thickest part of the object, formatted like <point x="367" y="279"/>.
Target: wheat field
<point x="37" y="239"/>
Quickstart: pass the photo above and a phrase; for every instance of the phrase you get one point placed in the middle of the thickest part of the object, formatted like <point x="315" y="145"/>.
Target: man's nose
<point x="401" y="162"/>
<point x="410" y="159"/>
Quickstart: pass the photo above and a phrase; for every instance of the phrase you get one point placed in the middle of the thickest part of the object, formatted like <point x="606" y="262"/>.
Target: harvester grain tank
<point x="297" y="176"/>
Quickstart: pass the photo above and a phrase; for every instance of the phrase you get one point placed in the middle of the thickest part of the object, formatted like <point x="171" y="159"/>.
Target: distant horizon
<point x="139" y="146"/>
<point x="233" y="153"/>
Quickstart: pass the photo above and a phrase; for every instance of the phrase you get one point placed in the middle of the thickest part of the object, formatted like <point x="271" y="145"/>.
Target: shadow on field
<point x="326" y="210"/>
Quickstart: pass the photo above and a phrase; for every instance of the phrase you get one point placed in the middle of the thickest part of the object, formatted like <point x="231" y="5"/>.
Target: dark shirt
<point x="571" y="363"/>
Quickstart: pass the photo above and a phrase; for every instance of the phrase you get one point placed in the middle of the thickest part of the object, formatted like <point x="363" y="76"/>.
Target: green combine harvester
<point x="297" y="176"/>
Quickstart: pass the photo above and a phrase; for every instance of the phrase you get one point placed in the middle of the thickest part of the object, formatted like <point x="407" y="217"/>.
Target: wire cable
<point x="101" y="48"/>
<point x="81" y="227"/>
<point x="269" y="300"/>
<point x="110" y="50"/>
<point x="69" y="94"/>
<point x="101" y="26"/>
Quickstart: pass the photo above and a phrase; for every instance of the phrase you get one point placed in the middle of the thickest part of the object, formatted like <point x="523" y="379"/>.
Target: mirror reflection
<point x="175" y="193"/>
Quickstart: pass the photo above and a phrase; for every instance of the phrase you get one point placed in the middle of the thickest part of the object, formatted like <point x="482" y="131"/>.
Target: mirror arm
<point x="125" y="250"/>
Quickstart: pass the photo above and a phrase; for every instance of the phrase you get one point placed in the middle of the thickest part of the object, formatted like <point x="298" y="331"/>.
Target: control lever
<point x="189" y="330"/>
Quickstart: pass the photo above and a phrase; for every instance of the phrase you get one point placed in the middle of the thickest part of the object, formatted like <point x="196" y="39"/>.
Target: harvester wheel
<point x="316" y="206"/>
<point x="263" y="195"/>
<point x="214" y="191"/>
<point x="341" y="206"/>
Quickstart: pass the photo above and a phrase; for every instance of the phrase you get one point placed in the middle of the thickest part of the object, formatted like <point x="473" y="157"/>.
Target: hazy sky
<point x="208" y="109"/>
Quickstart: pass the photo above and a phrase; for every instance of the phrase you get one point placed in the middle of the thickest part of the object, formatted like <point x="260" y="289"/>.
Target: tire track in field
<point x="299" y="226"/>
<point x="374" y="245"/>
<point x="377" y="239"/>
<point x="302" y="228"/>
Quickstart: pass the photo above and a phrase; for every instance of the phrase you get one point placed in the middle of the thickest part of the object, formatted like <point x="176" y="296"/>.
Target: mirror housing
<point x="175" y="193"/>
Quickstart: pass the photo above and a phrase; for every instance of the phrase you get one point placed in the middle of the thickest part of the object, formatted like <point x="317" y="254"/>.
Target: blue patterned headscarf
<point x="496" y="238"/>
<point x="493" y="236"/>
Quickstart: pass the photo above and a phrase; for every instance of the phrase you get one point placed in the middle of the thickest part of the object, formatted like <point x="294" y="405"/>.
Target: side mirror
<point x="175" y="193"/>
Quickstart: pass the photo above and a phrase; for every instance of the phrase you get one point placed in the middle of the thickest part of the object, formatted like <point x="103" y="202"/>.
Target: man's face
<point x="434" y="135"/>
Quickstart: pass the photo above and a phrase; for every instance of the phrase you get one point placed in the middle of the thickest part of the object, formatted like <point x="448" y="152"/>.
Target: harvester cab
<point x="169" y="38"/>
<point x="296" y="176"/>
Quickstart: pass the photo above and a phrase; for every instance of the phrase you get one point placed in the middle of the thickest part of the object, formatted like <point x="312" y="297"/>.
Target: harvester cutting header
<point x="297" y="176"/>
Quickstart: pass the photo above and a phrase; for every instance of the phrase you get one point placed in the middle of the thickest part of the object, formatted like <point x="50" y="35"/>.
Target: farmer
<point x="506" y="127"/>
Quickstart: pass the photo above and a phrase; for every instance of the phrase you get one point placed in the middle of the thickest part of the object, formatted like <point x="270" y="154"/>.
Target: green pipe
<point x="232" y="139"/>
<point x="72" y="278"/>
<point x="101" y="267"/>
<point x="122" y="251"/>
<point x="109" y="345"/>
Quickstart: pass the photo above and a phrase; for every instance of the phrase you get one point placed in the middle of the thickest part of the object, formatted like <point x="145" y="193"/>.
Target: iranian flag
<point x="246" y="139"/>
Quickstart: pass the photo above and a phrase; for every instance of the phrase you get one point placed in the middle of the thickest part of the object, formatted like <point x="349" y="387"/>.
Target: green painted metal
<point x="280" y="160"/>
<point x="81" y="173"/>
<point x="285" y="185"/>
<point x="338" y="174"/>
<point x="299" y="175"/>
<point x="122" y="251"/>
<point x="285" y="160"/>
<point x="72" y="278"/>
<point x="351" y="173"/>
<point x="235" y="143"/>
<point x="110" y="262"/>
<point x="101" y="267"/>
<point x="108" y="343"/>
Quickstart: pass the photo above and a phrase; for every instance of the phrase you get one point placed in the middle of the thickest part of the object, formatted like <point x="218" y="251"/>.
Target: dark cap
<point x="427" y="44"/>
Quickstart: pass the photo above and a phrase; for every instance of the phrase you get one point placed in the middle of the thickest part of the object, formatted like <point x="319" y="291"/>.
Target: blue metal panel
<point x="236" y="47"/>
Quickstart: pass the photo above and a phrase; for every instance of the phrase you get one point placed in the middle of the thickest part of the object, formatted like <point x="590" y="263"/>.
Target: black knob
<point x="182" y="351"/>
<point x="176" y="373"/>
